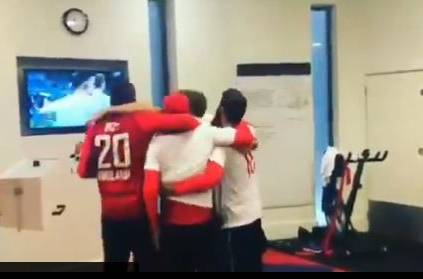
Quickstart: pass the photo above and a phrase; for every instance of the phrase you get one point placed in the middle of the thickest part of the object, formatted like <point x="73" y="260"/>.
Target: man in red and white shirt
<point x="114" y="152"/>
<point x="238" y="199"/>
<point x="189" y="232"/>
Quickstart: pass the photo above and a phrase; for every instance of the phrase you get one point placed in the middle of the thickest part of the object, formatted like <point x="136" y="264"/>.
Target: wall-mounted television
<point x="59" y="96"/>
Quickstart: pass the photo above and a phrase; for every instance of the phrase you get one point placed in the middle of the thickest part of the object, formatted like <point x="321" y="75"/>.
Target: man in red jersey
<point x="114" y="151"/>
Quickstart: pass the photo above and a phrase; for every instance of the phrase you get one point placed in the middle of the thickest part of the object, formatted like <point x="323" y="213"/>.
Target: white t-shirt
<point x="328" y="163"/>
<point x="181" y="156"/>
<point x="240" y="200"/>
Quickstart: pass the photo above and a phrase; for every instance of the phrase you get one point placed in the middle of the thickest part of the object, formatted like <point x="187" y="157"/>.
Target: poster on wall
<point x="280" y="107"/>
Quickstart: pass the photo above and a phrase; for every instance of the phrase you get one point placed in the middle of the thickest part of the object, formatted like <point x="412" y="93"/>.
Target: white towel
<point x="328" y="163"/>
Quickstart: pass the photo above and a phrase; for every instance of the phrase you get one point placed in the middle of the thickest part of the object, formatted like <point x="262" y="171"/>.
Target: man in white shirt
<point x="238" y="200"/>
<point x="188" y="229"/>
<point x="241" y="205"/>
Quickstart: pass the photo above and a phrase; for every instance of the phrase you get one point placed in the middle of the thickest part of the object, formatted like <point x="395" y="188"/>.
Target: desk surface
<point x="25" y="169"/>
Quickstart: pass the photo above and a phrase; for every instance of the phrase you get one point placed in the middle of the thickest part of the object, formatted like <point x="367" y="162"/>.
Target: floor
<point x="282" y="257"/>
<point x="401" y="256"/>
<point x="275" y="261"/>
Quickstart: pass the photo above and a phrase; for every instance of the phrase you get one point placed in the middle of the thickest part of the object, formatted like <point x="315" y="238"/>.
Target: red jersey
<point x="114" y="151"/>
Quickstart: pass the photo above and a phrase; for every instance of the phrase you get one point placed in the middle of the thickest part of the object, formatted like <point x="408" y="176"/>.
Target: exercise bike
<point x="340" y="238"/>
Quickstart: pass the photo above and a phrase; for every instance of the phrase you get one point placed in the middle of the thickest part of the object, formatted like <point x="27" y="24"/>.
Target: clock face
<point x="76" y="21"/>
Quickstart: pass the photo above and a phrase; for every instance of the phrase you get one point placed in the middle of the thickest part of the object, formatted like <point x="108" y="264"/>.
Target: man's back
<point x="118" y="154"/>
<point x="241" y="202"/>
<point x="180" y="156"/>
<point x="114" y="151"/>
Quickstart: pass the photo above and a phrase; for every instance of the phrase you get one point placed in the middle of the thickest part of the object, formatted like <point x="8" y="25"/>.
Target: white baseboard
<point x="283" y="223"/>
<point x="280" y="223"/>
<point x="286" y="230"/>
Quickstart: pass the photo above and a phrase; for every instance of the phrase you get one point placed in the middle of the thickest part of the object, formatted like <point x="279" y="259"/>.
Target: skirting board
<point x="283" y="223"/>
<point x="279" y="223"/>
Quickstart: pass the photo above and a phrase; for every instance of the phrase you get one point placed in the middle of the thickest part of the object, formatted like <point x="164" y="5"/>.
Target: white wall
<point x="394" y="35"/>
<point x="33" y="28"/>
<point x="212" y="37"/>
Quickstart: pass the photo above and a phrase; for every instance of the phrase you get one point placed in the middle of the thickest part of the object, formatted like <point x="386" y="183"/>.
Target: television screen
<point x="68" y="98"/>
<point x="61" y="96"/>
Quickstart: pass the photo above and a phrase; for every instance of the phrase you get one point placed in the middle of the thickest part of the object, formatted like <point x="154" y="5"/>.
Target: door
<point x="395" y="123"/>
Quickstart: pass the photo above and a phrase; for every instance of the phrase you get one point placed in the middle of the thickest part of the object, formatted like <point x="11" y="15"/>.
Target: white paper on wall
<point x="281" y="109"/>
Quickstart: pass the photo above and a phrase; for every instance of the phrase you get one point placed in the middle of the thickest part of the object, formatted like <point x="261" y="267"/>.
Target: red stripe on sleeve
<point x="201" y="183"/>
<point x="151" y="191"/>
<point x="244" y="137"/>
<point x="163" y="123"/>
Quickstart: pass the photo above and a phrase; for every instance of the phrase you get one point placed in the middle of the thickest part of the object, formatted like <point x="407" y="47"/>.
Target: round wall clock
<point x="76" y="21"/>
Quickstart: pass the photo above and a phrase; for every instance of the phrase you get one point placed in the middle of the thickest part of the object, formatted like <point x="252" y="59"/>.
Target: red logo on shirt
<point x="111" y="127"/>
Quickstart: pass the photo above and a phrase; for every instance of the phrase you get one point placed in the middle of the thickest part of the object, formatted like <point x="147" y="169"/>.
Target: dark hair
<point x="123" y="93"/>
<point x="197" y="102"/>
<point x="233" y="105"/>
